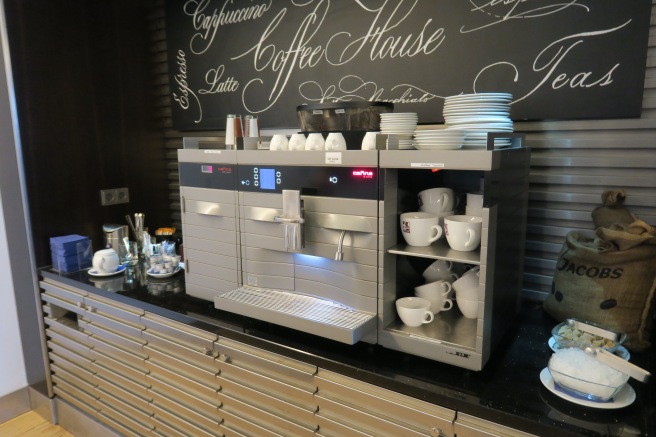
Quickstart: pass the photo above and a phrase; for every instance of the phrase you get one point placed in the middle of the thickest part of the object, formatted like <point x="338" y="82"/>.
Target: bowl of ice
<point x="577" y="334"/>
<point x="580" y="374"/>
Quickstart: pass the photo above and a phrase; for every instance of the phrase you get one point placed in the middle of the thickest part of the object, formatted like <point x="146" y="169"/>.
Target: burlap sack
<point x="597" y="283"/>
<point x="612" y="210"/>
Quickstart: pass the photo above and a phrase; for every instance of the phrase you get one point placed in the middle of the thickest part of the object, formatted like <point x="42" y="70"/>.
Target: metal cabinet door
<point x="470" y="426"/>
<point x="261" y="389"/>
<point x="184" y="335"/>
<point x="377" y="410"/>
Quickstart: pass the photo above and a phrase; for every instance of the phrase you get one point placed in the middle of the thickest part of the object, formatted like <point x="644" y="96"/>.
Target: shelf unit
<point x="502" y="174"/>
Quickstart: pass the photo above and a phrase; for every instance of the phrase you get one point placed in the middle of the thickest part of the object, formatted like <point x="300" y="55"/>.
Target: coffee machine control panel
<point x="347" y="182"/>
<point x="217" y="176"/>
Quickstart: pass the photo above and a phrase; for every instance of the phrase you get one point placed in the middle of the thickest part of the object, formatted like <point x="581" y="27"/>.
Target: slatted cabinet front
<point x="144" y="374"/>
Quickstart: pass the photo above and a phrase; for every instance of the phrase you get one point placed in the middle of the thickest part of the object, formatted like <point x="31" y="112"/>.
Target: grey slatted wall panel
<point x="572" y="163"/>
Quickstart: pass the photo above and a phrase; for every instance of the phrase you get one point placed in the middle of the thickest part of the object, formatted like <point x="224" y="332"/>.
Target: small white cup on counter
<point x="105" y="261"/>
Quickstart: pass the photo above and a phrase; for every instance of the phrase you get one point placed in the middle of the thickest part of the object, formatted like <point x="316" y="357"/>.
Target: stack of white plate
<point x="478" y="114"/>
<point x="439" y="139"/>
<point x="400" y="124"/>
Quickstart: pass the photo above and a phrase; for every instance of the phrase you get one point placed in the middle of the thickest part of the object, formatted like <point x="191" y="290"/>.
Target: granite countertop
<point x="507" y="391"/>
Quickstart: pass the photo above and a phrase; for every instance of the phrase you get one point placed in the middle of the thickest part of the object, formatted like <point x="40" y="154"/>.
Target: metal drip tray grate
<point x="310" y="314"/>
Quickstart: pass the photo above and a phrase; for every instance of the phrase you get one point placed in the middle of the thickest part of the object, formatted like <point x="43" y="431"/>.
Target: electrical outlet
<point x="114" y="196"/>
<point x="122" y="195"/>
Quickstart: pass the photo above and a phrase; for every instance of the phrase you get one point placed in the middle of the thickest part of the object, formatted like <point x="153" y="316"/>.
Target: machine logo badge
<point x="459" y="354"/>
<point x="366" y="174"/>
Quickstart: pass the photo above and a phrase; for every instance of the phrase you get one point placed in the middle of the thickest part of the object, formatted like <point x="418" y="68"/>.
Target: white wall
<point x="12" y="366"/>
<point x="13" y="373"/>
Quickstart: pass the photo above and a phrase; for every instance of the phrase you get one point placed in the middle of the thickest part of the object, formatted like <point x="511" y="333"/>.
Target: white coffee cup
<point x="315" y="141"/>
<point x="297" y="142"/>
<point x="437" y="294"/>
<point x="105" y="261"/>
<point x="474" y="204"/>
<point x="468" y="308"/>
<point x="437" y="200"/>
<point x="369" y="141"/>
<point x="279" y="142"/>
<point x="420" y="228"/>
<point x="467" y="287"/>
<point x="335" y="141"/>
<point x="414" y="311"/>
<point x="440" y="270"/>
<point x="463" y="232"/>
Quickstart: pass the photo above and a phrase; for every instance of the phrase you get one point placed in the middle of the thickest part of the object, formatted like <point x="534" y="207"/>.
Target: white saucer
<point x="625" y="397"/>
<point x="97" y="274"/>
<point x="479" y="97"/>
<point x="420" y="146"/>
<point x="163" y="275"/>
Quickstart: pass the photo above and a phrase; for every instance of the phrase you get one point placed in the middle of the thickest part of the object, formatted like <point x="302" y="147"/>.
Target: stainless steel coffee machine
<point x="310" y="240"/>
<point x="308" y="225"/>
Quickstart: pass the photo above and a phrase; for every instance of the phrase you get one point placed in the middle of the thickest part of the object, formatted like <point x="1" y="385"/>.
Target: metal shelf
<point x="438" y="250"/>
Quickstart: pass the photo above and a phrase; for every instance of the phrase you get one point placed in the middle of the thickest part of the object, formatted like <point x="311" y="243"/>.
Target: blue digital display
<point x="267" y="179"/>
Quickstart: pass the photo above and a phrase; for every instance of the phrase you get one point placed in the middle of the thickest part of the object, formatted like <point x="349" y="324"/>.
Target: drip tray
<point x="314" y="315"/>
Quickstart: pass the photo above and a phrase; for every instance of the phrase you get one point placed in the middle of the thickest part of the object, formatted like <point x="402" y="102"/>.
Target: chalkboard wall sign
<point x="565" y="59"/>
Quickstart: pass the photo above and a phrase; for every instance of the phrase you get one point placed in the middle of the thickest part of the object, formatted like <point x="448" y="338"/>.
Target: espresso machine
<point x="308" y="225"/>
<point x="310" y="240"/>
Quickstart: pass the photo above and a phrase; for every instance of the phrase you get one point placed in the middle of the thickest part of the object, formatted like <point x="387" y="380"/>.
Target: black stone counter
<point x="507" y="391"/>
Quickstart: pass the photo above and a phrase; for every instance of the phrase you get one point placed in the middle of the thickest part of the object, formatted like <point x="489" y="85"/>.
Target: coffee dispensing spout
<point x="339" y="255"/>
<point x="292" y="219"/>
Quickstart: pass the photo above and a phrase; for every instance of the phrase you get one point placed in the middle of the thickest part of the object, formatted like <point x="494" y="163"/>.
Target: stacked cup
<point x="440" y="270"/>
<point x="438" y="201"/>
<point x="437" y="293"/>
<point x="467" y="291"/>
<point x="474" y="204"/>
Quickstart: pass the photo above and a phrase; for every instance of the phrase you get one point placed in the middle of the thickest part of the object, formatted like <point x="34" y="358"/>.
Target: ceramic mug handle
<point x="438" y="233"/>
<point x="428" y="317"/>
<point x="448" y="288"/>
<point x="471" y="235"/>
